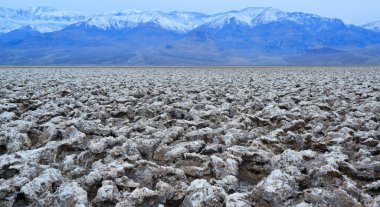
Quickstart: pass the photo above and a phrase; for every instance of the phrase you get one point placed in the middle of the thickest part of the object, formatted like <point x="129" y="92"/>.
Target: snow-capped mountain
<point x="42" y="19"/>
<point x="41" y="36"/>
<point x="373" y="26"/>
<point x="255" y="16"/>
<point x="175" y="21"/>
<point x="45" y="19"/>
<point x="248" y="16"/>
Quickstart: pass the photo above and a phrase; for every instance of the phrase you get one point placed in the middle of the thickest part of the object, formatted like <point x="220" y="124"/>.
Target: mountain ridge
<point x="40" y="18"/>
<point x="373" y="26"/>
<point x="252" y="36"/>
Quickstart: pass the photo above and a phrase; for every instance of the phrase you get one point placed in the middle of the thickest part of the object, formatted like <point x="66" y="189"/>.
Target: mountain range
<point x="252" y="36"/>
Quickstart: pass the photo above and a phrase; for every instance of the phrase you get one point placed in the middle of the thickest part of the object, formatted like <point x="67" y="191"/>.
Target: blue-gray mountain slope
<point x="254" y="36"/>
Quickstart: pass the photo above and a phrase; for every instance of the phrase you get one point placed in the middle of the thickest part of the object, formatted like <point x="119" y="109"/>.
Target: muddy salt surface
<point x="190" y="137"/>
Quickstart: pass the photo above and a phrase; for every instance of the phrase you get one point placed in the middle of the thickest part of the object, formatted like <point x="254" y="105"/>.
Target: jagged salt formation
<point x="190" y="137"/>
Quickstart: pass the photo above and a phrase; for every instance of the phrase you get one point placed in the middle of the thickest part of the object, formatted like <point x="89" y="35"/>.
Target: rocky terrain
<point x="190" y="137"/>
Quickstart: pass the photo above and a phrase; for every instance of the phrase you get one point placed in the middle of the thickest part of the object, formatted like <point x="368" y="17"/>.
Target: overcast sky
<point x="350" y="11"/>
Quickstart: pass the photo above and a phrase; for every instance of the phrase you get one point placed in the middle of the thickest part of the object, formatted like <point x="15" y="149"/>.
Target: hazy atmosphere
<point x="189" y="103"/>
<point x="351" y="11"/>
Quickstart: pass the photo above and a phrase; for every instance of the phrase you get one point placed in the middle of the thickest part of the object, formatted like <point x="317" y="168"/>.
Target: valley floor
<point x="190" y="136"/>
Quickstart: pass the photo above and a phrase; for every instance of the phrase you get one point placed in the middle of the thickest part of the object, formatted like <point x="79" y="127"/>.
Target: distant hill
<point x="252" y="36"/>
<point x="373" y="26"/>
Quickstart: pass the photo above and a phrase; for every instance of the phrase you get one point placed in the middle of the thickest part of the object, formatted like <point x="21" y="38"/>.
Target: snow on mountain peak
<point x="251" y="16"/>
<point x="42" y="9"/>
<point x="104" y="22"/>
<point x="46" y="19"/>
<point x="373" y="26"/>
<point x="119" y="20"/>
<point x="43" y="19"/>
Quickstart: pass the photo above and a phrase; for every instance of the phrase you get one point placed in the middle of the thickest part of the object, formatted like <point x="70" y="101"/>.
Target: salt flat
<point x="190" y="136"/>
